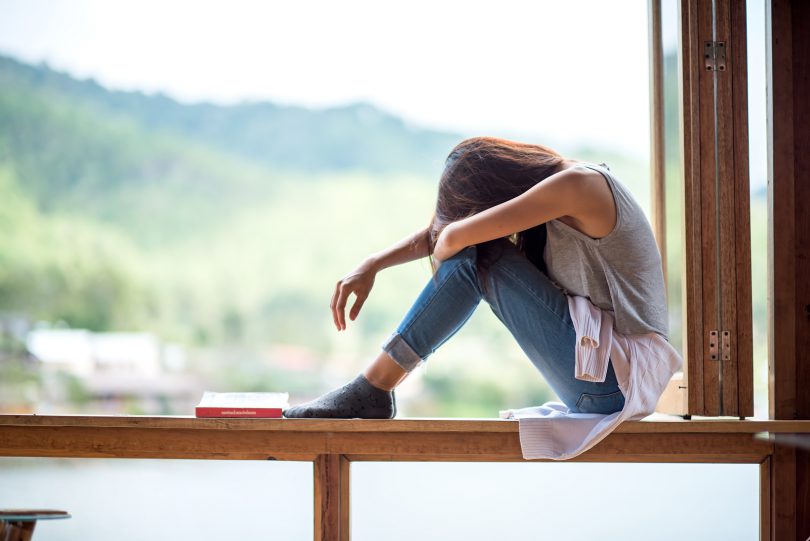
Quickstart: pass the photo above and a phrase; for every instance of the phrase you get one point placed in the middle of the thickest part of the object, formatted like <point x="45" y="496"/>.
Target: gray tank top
<point x="620" y="272"/>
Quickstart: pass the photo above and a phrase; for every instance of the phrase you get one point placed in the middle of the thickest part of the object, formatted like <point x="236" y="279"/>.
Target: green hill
<point x="352" y="137"/>
<point x="112" y="203"/>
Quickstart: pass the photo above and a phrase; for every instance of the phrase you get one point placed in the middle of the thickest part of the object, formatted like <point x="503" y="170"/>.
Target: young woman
<point x="521" y="227"/>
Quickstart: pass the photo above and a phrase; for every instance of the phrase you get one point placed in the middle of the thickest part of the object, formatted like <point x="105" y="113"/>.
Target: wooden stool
<point x="18" y="524"/>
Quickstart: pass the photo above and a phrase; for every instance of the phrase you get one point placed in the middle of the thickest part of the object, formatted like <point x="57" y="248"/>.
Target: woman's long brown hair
<point x="482" y="172"/>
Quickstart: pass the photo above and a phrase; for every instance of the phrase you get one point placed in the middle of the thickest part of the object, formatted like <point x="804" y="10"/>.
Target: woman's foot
<point x="357" y="399"/>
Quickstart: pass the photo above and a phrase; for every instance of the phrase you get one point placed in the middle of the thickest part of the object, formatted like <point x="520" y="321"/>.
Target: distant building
<point x="84" y="353"/>
<point x="70" y="350"/>
<point x="117" y="367"/>
<point x="126" y="352"/>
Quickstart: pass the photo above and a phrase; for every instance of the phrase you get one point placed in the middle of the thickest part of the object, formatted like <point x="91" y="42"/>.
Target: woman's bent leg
<point x="536" y="313"/>
<point x="443" y="306"/>
<point x="440" y="310"/>
<point x="533" y="309"/>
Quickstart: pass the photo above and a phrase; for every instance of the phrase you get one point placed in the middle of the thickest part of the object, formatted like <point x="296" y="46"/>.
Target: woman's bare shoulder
<point x="585" y="180"/>
<point x="596" y="216"/>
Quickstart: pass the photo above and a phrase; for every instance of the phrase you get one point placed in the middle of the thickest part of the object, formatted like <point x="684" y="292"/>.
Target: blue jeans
<point x="533" y="309"/>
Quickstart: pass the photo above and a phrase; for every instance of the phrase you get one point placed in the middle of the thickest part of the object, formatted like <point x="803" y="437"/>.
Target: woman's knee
<point x="465" y="257"/>
<point x="460" y="265"/>
<point x="464" y="254"/>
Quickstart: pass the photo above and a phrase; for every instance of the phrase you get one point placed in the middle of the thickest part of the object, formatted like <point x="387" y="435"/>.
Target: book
<point x="242" y="405"/>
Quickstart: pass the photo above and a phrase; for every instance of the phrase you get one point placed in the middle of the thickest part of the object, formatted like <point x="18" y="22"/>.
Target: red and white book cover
<point x="242" y="405"/>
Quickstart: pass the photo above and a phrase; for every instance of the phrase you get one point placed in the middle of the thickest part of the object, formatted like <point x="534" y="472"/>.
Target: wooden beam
<point x="733" y="243"/>
<point x="787" y="200"/>
<point x="634" y="441"/>
<point x="80" y="442"/>
<point x="717" y="253"/>
<point x="782" y="493"/>
<point x="691" y="53"/>
<point x="726" y="193"/>
<point x="255" y="445"/>
<point x="788" y="59"/>
<point x="765" y="499"/>
<point x="345" y="498"/>
<point x="13" y="530"/>
<point x="328" y="490"/>
<point x="709" y="221"/>
<point x="657" y="157"/>
<point x="413" y="425"/>
<point x="740" y="215"/>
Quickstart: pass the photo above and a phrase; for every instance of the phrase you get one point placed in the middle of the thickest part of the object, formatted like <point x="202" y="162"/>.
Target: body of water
<point x="129" y="500"/>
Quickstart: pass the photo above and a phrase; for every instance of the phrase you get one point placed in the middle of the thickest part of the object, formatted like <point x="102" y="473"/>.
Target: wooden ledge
<point x="659" y="425"/>
<point x="672" y="439"/>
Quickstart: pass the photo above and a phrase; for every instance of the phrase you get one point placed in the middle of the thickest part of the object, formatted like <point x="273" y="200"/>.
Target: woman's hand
<point x="359" y="282"/>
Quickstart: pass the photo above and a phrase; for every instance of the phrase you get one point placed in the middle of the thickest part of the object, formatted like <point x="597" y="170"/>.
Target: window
<point x="716" y="258"/>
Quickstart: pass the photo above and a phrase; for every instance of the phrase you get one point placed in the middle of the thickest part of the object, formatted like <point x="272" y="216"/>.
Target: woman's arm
<point x="410" y="248"/>
<point x="361" y="280"/>
<point x="566" y="193"/>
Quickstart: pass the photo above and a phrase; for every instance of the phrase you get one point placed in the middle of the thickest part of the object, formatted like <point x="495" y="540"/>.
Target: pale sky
<point x="573" y="72"/>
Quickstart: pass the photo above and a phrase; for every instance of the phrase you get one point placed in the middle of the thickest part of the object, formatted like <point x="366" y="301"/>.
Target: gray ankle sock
<point x="358" y="398"/>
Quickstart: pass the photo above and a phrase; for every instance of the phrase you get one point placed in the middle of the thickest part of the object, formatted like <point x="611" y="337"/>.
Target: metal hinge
<point x="714" y="55"/>
<point x="720" y="345"/>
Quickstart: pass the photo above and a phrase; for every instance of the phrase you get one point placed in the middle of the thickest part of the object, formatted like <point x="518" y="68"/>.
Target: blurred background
<point x="182" y="184"/>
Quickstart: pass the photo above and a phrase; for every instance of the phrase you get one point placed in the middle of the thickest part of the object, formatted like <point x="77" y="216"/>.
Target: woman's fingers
<point x="333" y="305"/>
<point x="358" y="304"/>
<point x="341" y="306"/>
<point x="356" y="283"/>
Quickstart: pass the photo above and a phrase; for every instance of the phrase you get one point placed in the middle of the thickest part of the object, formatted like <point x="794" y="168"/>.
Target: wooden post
<point x="738" y="372"/>
<point x="718" y="364"/>
<point x="657" y="158"/>
<point x="788" y="58"/>
<point x="16" y="530"/>
<point x="765" y="499"/>
<point x="345" y="498"/>
<point x="331" y="494"/>
<point x="692" y="275"/>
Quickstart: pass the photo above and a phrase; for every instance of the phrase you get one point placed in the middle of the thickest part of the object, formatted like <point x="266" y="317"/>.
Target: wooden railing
<point x="333" y="444"/>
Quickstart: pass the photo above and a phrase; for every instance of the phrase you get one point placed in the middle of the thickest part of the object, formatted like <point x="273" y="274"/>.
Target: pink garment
<point x="644" y="364"/>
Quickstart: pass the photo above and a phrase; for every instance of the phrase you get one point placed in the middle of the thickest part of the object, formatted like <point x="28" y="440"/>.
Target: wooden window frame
<point x="331" y="445"/>
<point x="788" y="72"/>
<point x="717" y="378"/>
<point x="715" y="174"/>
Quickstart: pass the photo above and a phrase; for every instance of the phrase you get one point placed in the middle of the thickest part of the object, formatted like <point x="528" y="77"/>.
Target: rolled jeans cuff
<point x="398" y="349"/>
